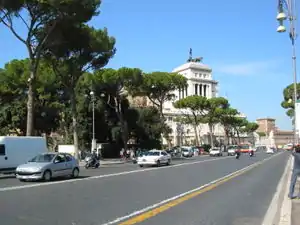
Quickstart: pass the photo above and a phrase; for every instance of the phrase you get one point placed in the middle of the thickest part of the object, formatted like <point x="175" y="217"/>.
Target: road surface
<point x="203" y="190"/>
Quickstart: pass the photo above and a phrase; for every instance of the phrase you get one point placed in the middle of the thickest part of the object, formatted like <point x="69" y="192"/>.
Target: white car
<point x="154" y="157"/>
<point x="231" y="150"/>
<point x="187" y="152"/>
<point x="270" y="151"/>
<point x="215" y="152"/>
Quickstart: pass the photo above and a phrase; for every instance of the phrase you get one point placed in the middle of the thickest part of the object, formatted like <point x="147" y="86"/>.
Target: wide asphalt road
<point x="205" y="190"/>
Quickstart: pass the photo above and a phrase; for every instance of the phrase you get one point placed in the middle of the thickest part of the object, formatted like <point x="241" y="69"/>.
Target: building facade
<point x="266" y="125"/>
<point x="270" y="135"/>
<point x="200" y="82"/>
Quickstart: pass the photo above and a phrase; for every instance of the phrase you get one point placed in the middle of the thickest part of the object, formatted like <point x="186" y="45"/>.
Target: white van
<point x="16" y="150"/>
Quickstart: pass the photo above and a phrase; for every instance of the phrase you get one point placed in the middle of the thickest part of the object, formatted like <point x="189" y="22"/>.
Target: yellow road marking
<point x="162" y="208"/>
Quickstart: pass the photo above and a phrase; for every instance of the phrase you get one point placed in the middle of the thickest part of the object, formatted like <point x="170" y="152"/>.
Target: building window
<point x="170" y="119"/>
<point x="196" y="74"/>
<point x="204" y="75"/>
<point x="186" y="91"/>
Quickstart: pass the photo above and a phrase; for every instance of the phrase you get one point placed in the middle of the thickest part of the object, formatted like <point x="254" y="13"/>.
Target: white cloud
<point x="248" y="68"/>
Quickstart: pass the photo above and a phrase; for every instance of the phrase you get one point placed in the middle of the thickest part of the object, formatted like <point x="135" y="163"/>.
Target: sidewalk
<point x="296" y="206"/>
<point x="289" y="213"/>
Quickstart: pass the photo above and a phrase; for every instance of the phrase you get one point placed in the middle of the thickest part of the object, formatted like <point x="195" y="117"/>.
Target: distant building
<point x="272" y="135"/>
<point x="200" y="82"/>
<point x="266" y="125"/>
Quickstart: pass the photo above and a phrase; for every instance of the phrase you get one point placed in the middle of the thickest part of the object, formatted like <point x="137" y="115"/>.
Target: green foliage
<point x="214" y="109"/>
<point x="13" y="88"/>
<point x="251" y="127"/>
<point x="159" y="86"/>
<point x="288" y="96"/>
<point x="195" y="106"/>
<point x="262" y="134"/>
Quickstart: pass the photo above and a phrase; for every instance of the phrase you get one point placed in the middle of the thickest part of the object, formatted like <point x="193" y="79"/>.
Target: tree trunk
<point x="196" y="135"/>
<point x="211" y="135"/>
<point x="124" y="129"/>
<point x="30" y="104"/>
<point x="123" y="122"/>
<point x="74" y="122"/>
<point x="239" y="138"/>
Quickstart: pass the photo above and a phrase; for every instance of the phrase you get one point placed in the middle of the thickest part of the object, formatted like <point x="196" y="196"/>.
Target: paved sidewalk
<point x="296" y="206"/>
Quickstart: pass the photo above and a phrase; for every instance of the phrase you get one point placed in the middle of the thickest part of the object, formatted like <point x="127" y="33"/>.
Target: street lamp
<point x="94" y="144"/>
<point x="288" y="6"/>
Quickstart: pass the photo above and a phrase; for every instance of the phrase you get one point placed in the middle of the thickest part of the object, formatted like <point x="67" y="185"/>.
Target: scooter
<point x="91" y="162"/>
<point x="237" y="155"/>
<point x="251" y="153"/>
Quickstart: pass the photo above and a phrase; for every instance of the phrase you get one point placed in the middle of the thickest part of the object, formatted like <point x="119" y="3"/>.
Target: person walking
<point x="296" y="171"/>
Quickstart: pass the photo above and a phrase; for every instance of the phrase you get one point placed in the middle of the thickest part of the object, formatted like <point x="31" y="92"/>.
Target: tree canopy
<point x="288" y="96"/>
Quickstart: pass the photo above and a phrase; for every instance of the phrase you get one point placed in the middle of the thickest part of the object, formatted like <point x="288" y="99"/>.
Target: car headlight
<point x="36" y="169"/>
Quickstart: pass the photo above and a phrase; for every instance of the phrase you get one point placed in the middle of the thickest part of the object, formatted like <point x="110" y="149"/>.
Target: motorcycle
<point x="237" y="155"/>
<point x="251" y="153"/>
<point x="91" y="162"/>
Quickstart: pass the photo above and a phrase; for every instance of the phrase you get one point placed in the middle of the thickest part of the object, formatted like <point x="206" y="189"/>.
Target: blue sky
<point x="237" y="39"/>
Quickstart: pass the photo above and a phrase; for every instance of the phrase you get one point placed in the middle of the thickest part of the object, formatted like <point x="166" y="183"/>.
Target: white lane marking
<point x="104" y="175"/>
<point x="135" y="213"/>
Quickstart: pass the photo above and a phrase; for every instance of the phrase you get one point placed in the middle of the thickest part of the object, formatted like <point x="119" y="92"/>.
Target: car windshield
<point x="42" y="158"/>
<point x="215" y="149"/>
<point x="153" y="153"/>
<point x="185" y="150"/>
<point x="232" y="147"/>
<point x="244" y="146"/>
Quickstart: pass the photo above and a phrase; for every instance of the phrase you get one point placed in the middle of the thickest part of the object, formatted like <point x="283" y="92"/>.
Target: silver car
<point x="47" y="166"/>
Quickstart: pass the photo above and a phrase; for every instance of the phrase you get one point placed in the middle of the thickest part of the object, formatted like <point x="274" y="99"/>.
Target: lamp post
<point x="92" y="94"/>
<point x="288" y="6"/>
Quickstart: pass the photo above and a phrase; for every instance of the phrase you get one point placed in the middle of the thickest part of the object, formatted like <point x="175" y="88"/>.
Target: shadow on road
<point x="12" y="176"/>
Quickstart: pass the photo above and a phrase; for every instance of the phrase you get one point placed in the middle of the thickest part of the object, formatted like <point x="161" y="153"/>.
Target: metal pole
<point x="93" y="118"/>
<point x="293" y="34"/>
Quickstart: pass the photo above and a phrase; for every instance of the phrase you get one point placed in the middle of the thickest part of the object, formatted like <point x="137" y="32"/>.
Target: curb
<point x="276" y="210"/>
<point x="286" y="208"/>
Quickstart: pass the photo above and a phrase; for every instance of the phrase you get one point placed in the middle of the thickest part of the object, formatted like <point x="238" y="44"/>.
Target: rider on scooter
<point x="94" y="157"/>
<point x="238" y="151"/>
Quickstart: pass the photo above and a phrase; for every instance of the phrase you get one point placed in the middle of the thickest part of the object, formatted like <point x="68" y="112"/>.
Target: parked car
<point x="270" y="151"/>
<point x="154" y="157"/>
<point x="187" y="152"/>
<point x="215" y="152"/>
<point x="47" y="166"/>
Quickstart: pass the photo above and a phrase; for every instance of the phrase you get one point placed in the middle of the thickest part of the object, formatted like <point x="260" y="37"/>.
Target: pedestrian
<point x="296" y="171"/>
<point x="122" y="154"/>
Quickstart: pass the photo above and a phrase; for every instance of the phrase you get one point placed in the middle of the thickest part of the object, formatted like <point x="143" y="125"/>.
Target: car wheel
<point x="22" y="180"/>
<point x="169" y="162"/>
<point x="47" y="175"/>
<point x="75" y="173"/>
<point x="141" y="165"/>
<point x="158" y="163"/>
